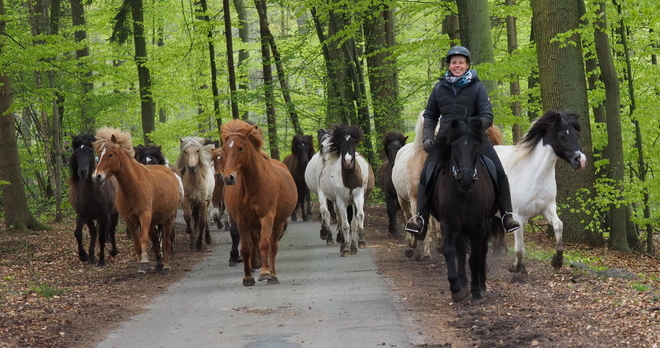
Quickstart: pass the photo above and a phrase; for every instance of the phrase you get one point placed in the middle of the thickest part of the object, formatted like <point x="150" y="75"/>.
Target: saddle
<point x="433" y="169"/>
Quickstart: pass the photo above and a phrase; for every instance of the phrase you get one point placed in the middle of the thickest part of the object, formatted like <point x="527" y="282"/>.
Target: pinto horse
<point x="218" y="158"/>
<point x="260" y="195"/>
<point x="197" y="174"/>
<point x="312" y="174"/>
<point x="464" y="205"/>
<point x="392" y="143"/>
<point x="301" y="153"/>
<point x="90" y="201"/>
<point x="530" y="167"/>
<point x="147" y="196"/>
<point x="345" y="180"/>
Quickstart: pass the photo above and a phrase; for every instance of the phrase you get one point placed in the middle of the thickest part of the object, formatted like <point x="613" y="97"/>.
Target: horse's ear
<point x="405" y="139"/>
<point x="113" y="138"/>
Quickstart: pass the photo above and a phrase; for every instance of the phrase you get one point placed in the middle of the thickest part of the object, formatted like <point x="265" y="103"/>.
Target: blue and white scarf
<point x="459" y="81"/>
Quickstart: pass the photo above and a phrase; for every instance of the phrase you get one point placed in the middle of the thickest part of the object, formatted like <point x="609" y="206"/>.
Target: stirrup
<point x="513" y="217"/>
<point x="412" y="221"/>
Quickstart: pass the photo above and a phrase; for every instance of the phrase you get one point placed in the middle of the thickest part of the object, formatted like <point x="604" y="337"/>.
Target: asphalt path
<point x="323" y="300"/>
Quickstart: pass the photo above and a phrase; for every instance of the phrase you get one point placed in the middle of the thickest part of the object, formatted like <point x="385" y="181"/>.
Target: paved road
<point x="323" y="301"/>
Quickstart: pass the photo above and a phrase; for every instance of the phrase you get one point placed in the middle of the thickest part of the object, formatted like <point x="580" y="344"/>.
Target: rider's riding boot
<point x="504" y="197"/>
<point x="418" y="224"/>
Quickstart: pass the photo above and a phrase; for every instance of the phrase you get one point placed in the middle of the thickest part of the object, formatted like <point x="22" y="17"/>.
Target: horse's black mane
<point x="391" y="137"/>
<point x="299" y="139"/>
<point x="86" y="139"/>
<point x="550" y="120"/>
<point x="340" y="132"/>
<point x="320" y="134"/>
<point x="155" y="151"/>
<point x="471" y="127"/>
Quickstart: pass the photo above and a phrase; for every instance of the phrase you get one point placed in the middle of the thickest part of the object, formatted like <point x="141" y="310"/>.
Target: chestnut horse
<point x="260" y="195"/>
<point x="302" y="150"/>
<point x="197" y="174"/>
<point x="147" y="196"/>
<point x="90" y="201"/>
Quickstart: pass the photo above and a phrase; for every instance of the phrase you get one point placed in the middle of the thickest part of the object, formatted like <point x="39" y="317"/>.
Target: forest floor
<point x="50" y="299"/>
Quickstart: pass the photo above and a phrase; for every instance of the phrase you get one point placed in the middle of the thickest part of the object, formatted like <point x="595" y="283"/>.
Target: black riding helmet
<point x="458" y="50"/>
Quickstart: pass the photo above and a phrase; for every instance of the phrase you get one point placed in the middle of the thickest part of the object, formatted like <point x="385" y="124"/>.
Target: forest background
<point x="169" y="69"/>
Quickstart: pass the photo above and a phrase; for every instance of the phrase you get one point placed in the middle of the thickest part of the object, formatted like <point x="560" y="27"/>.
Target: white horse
<point x="405" y="177"/>
<point x="530" y="167"/>
<point x="345" y="180"/>
<point x="312" y="174"/>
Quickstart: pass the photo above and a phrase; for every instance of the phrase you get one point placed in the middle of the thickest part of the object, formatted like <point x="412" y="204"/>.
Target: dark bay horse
<point x="90" y="201"/>
<point x="218" y="158"/>
<point x="464" y="203"/>
<point x="147" y="196"/>
<point x="302" y="150"/>
<point x="392" y="143"/>
<point x="260" y="195"/>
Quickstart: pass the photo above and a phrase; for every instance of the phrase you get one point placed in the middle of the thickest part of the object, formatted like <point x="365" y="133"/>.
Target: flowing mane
<point x="550" y="120"/>
<point x="113" y="138"/>
<point x="204" y="155"/>
<point x="342" y="131"/>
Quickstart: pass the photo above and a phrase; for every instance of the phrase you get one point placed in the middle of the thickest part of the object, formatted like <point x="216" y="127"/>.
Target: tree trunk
<point x="144" y="75"/>
<point x="563" y="86"/>
<point x="474" y="26"/>
<point x="450" y="25"/>
<point x="230" y="66"/>
<point x="381" y="66"/>
<point x="616" y="169"/>
<point x="17" y="212"/>
<point x="243" y="54"/>
<point x="57" y="150"/>
<point x="268" y="82"/>
<point x="281" y="75"/>
<point x="514" y="86"/>
<point x="87" y="120"/>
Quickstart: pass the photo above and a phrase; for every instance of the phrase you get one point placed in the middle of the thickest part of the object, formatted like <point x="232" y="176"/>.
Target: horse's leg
<point x="256" y="253"/>
<point x="519" y="246"/>
<point x="103" y="233"/>
<point x="449" y="251"/>
<point x="112" y="231"/>
<point x="154" y="236"/>
<point x="265" y="239"/>
<point x="358" y="200"/>
<point x="411" y="242"/>
<point x="425" y="252"/>
<point x="392" y="210"/>
<point x="205" y="218"/>
<point x="93" y="232"/>
<point x="308" y="198"/>
<point x="550" y="214"/>
<point x="477" y="266"/>
<point x="167" y="229"/>
<point x="344" y="226"/>
<point x="78" y="233"/>
<point x="142" y="243"/>
<point x="308" y="211"/>
<point x="246" y="252"/>
<point x="325" y="218"/>
<point x="234" y="256"/>
<point x="274" y="247"/>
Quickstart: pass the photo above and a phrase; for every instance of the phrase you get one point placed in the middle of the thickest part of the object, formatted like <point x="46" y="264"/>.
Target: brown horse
<point x="392" y="143"/>
<point x="302" y="150"/>
<point x="260" y="195"/>
<point x="147" y="196"/>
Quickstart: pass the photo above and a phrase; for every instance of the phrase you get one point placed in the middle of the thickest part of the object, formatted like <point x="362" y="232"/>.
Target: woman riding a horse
<point x="458" y="95"/>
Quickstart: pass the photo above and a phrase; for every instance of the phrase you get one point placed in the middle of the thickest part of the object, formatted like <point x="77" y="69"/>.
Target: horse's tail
<point x="419" y="130"/>
<point x="495" y="135"/>
<point x="286" y="223"/>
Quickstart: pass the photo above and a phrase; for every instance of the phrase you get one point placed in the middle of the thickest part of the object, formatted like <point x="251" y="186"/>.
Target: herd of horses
<point x="256" y="195"/>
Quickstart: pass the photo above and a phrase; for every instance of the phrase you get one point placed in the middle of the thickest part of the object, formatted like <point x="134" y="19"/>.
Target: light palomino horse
<point x="260" y="196"/>
<point x="197" y="174"/>
<point x="147" y="196"/>
<point x="405" y="177"/>
<point x="344" y="180"/>
<point x="530" y="167"/>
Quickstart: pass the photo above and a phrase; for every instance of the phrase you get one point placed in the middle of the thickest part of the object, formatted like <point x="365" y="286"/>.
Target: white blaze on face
<point x="148" y="159"/>
<point x="231" y="144"/>
<point x="101" y="157"/>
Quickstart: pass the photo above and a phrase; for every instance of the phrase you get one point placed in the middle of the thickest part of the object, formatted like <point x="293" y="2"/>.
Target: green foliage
<point x="47" y="290"/>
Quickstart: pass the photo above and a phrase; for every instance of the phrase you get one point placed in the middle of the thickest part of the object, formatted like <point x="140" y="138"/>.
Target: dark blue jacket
<point x="451" y="102"/>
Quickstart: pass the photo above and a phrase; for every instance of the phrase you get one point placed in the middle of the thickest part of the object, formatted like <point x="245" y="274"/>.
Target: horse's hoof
<point x="273" y="280"/>
<point x="557" y="261"/>
<point x="218" y="225"/>
<point x="248" y="281"/>
<point x="424" y="258"/>
<point x="305" y="218"/>
<point x="199" y="245"/>
<point x="100" y="264"/>
<point x="515" y="268"/>
<point x="294" y="218"/>
<point x="354" y="251"/>
<point x="114" y="252"/>
<point x="265" y="276"/>
<point x="144" y="266"/>
<point x="345" y="252"/>
<point x="324" y="233"/>
<point x="459" y="295"/>
<point x="362" y="244"/>
<point x="232" y="263"/>
<point x="166" y="270"/>
<point x="329" y="241"/>
<point x="208" y="239"/>
<point x="477" y="296"/>
<point x="409" y="253"/>
<point x="159" y="267"/>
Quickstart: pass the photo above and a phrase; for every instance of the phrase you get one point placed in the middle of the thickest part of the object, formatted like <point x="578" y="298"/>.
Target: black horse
<point x="91" y="202"/>
<point x="150" y="154"/>
<point x="302" y="150"/>
<point x="464" y="203"/>
<point x="392" y="142"/>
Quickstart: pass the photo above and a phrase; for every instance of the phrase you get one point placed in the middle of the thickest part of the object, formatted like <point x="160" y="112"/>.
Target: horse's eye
<point x="240" y="148"/>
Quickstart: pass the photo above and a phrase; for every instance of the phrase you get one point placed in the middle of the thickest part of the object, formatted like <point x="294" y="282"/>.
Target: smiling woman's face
<point x="458" y="65"/>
